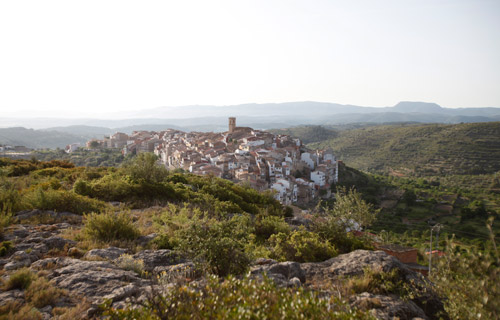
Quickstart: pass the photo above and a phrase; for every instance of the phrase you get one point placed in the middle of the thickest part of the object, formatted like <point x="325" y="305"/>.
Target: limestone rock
<point x="11" y="296"/>
<point x="388" y="307"/>
<point x="158" y="258"/>
<point x="287" y="270"/>
<point x="60" y="216"/>
<point x="110" y="253"/>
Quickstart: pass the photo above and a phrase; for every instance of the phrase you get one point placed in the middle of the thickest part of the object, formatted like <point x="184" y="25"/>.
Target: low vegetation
<point x="109" y="226"/>
<point x="235" y="298"/>
<point x="222" y="227"/>
<point x="420" y="149"/>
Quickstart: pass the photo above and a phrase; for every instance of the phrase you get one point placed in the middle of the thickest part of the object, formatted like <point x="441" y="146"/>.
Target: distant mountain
<point x="420" y="107"/>
<point x="267" y="115"/>
<point x="214" y="118"/>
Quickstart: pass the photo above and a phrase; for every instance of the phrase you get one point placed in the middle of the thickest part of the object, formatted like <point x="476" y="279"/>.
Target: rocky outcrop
<point x="388" y="307"/>
<point x="158" y="258"/>
<point x="424" y="305"/>
<point x="101" y="276"/>
<point x="30" y="243"/>
<point x="96" y="281"/>
<point x="47" y="214"/>
<point x="110" y="254"/>
<point x="288" y="273"/>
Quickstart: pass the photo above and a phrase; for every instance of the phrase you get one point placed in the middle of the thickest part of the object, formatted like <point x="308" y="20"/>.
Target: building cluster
<point x="137" y="142"/>
<point x="259" y="158"/>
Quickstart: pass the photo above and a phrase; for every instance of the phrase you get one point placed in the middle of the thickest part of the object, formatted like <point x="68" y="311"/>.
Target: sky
<point x="84" y="58"/>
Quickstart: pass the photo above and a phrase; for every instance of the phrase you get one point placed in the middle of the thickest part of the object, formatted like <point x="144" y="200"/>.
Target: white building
<point x="72" y="147"/>
<point x="319" y="178"/>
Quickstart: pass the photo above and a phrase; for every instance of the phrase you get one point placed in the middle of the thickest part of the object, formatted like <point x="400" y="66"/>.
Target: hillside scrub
<point x="109" y="226"/>
<point x="61" y="200"/>
<point x="300" y="246"/>
<point x="235" y="298"/>
<point x="219" y="245"/>
<point x="422" y="149"/>
<point x="469" y="278"/>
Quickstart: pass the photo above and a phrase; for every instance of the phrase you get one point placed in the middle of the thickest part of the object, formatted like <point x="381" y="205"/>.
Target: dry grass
<point x="77" y="312"/>
<point x="41" y="293"/>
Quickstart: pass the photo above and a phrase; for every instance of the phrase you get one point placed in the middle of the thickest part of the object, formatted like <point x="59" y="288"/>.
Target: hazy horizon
<point x="93" y="58"/>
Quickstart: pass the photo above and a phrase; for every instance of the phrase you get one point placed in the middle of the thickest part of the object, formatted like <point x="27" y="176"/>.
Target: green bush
<point x="127" y="262"/>
<point x="145" y="168"/>
<point x="21" y="279"/>
<point x="378" y="282"/>
<point x="265" y="226"/>
<point x="5" y="247"/>
<point x="469" y="280"/>
<point x="61" y="200"/>
<point x="301" y="246"/>
<point x="9" y="196"/>
<point x="220" y="245"/>
<point x="335" y="233"/>
<point x="237" y="299"/>
<point x="109" y="226"/>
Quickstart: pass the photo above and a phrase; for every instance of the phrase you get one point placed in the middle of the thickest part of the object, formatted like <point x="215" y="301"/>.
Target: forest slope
<point x="429" y="149"/>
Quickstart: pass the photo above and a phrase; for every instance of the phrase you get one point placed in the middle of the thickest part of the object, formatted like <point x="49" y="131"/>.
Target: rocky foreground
<point x="100" y="275"/>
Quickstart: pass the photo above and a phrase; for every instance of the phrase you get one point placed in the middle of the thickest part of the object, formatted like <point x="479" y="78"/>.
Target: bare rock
<point x="158" y="258"/>
<point x="287" y="270"/>
<point x="354" y="263"/>
<point x="62" y="216"/>
<point x="145" y="240"/>
<point x="387" y="307"/>
<point x="110" y="253"/>
<point x="19" y="260"/>
<point x="11" y="296"/>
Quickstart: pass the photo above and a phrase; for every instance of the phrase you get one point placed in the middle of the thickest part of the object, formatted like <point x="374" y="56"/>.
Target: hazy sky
<point x="90" y="57"/>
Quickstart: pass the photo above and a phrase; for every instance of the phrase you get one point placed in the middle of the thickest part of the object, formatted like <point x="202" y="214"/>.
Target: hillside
<point x="172" y="234"/>
<point x="308" y="134"/>
<point x="30" y="138"/>
<point x="430" y="149"/>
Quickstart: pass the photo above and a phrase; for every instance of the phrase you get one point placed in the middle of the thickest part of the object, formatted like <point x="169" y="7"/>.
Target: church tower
<point x="232" y="124"/>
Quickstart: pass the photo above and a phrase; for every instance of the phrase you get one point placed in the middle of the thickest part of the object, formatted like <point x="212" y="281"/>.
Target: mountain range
<point x="214" y="118"/>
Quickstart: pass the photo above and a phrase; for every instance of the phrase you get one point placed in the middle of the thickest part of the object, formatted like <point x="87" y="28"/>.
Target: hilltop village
<point x="242" y="154"/>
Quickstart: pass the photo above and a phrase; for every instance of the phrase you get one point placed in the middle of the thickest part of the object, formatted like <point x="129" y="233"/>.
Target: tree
<point x="94" y="144"/>
<point x="144" y="168"/>
<point x="351" y="210"/>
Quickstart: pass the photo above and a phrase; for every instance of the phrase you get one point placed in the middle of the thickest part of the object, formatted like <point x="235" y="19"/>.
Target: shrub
<point x="351" y="210"/>
<point x="301" y="246"/>
<point x="144" y="168"/>
<point x="5" y="247"/>
<point x="335" y="233"/>
<point x="21" y="279"/>
<point x="111" y="187"/>
<point x="237" y="299"/>
<point x="220" y="245"/>
<point x="77" y="312"/>
<point x="9" y="197"/>
<point x="41" y="293"/>
<point x="469" y="280"/>
<point x="265" y="226"/>
<point x="127" y="262"/>
<point x="109" y="226"/>
<point x="62" y="200"/>
<point x="377" y="282"/>
<point x="26" y="312"/>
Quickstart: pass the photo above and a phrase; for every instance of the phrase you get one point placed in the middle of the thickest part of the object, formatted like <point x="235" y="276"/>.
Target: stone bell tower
<point x="232" y="124"/>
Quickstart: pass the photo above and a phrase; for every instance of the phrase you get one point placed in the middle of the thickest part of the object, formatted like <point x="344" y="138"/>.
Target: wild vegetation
<point x="419" y="149"/>
<point x="222" y="227"/>
<point x="84" y="157"/>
